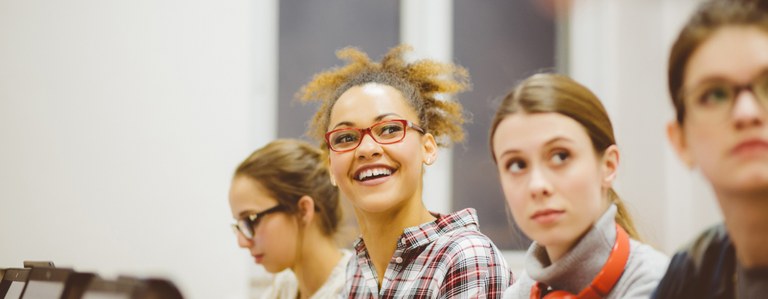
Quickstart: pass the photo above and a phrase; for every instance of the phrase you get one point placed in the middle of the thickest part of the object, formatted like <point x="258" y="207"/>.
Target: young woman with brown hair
<point x="718" y="82"/>
<point x="287" y="213"/>
<point x="557" y="158"/>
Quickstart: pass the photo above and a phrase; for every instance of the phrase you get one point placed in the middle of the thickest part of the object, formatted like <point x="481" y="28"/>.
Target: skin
<point x="279" y="238"/>
<point x="731" y="152"/>
<point x="384" y="206"/>
<point x="554" y="183"/>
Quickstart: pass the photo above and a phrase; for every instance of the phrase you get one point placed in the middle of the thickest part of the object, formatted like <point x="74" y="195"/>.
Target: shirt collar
<point x="426" y="233"/>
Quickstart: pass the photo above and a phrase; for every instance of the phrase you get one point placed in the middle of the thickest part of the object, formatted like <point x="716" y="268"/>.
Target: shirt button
<point x="398" y="260"/>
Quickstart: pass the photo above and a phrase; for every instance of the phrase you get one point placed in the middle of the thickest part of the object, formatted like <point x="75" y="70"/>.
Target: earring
<point x="333" y="181"/>
<point x="429" y="161"/>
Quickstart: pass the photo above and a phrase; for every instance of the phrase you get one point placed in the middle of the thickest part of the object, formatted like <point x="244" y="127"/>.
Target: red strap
<point x="604" y="281"/>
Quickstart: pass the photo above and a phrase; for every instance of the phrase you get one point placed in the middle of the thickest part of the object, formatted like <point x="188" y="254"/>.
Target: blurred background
<point x="121" y="122"/>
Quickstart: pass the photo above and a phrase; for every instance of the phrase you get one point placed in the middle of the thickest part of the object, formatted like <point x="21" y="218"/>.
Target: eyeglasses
<point x="385" y="132"/>
<point x="716" y="98"/>
<point x="247" y="225"/>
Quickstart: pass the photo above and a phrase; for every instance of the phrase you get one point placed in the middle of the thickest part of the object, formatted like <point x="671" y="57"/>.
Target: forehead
<point x="735" y="53"/>
<point x="363" y="103"/>
<point x="524" y="131"/>
<point x="248" y="195"/>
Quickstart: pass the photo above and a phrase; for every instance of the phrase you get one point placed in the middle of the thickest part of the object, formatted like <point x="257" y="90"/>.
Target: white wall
<point x="619" y="50"/>
<point x="427" y="25"/>
<point x="120" y="125"/>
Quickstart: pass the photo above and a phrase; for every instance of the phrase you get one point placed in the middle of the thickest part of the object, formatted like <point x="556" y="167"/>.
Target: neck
<point x="557" y="251"/>
<point x="747" y="225"/>
<point x="572" y="267"/>
<point x="319" y="257"/>
<point x="381" y="231"/>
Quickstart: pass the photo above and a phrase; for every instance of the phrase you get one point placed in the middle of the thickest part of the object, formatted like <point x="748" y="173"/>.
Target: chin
<point x="272" y="268"/>
<point x="748" y="180"/>
<point x="375" y="203"/>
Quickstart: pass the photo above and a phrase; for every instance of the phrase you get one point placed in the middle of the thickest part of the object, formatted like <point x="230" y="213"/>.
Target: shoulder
<point x="284" y="285"/>
<point x="473" y="265"/>
<point x="521" y="289"/>
<point x="334" y="285"/>
<point x="468" y="244"/>
<point x="460" y="231"/>
<point x="647" y="259"/>
<point x="702" y="267"/>
<point x="644" y="270"/>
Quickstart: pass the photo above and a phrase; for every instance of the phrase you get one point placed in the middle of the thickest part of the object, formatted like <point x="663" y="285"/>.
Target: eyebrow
<point x="707" y="80"/>
<point x="377" y="119"/>
<point x="716" y="78"/>
<point x="549" y="142"/>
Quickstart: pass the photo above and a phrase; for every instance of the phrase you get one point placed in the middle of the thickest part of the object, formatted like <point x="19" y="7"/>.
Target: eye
<point x="252" y="221"/>
<point x="560" y="157"/>
<point x="715" y="94"/>
<point x="516" y="165"/>
<point x="347" y="136"/>
<point x="389" y="130"/>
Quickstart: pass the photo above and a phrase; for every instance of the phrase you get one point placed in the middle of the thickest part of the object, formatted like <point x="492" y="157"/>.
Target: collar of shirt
<point x="417" y="236"/>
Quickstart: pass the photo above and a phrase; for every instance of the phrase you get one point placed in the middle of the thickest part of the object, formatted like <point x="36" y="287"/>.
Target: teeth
<point x="373" y="172"/>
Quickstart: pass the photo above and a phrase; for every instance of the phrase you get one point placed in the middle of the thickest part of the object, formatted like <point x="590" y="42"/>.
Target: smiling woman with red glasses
<point x="381" y="125"/>
<point x="287" y="213"/>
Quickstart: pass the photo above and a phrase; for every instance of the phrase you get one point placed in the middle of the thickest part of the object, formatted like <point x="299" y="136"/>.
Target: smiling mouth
<point x="373" y="173"/>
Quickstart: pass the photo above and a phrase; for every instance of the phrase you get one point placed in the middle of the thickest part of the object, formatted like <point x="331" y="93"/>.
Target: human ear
<point x="676" y="136"/>
<point x="429" y="148"/>
<point x="306" y="209"/>
<point x="610" y="165"/>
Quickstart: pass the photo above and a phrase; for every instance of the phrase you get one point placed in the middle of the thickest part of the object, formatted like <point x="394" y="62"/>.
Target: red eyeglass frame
<point x="363" y="132"/>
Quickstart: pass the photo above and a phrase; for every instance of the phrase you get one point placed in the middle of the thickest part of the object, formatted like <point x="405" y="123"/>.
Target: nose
<point x="747" y="111"/>
<point x="538" y="185"/>
<point x="242" y="242"/>
<point x="368" y="148"/>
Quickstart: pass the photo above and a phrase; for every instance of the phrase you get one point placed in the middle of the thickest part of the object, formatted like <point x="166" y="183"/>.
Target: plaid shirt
<point x="446" y="258"/>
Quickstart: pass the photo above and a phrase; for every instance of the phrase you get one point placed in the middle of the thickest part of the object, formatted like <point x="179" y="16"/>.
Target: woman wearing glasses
<point x="287" y="212"/>
<point x="381" y="125"/>
<point x="557" y="157"/>
<point x="718" y="81"/>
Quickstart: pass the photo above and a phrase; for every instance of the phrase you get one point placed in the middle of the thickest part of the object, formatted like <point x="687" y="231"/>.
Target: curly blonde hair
<point x="420" y="82"/>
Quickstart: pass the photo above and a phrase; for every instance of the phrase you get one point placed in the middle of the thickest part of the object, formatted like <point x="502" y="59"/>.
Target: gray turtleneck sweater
<point x="576" y="269"/>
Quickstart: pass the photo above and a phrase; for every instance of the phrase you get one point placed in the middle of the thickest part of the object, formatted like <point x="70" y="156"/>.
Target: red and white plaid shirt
<point x="446" y="258"/>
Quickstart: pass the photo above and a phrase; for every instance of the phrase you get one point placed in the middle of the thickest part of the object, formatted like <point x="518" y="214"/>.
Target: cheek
<point x="585" y="194"/>
<point x="514" y="193"/>
<point x="407" y="152"/>
<point x="703" y="144"/>
<point x="339" y="165"/>
<point x="278" y="233"/>
<point x="702" y="132"/>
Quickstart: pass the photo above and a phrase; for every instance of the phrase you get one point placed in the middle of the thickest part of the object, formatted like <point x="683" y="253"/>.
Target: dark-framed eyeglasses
<point x="716" y="98"/>
<point x="385" y="132"/>
<point x="247" y="224"/>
